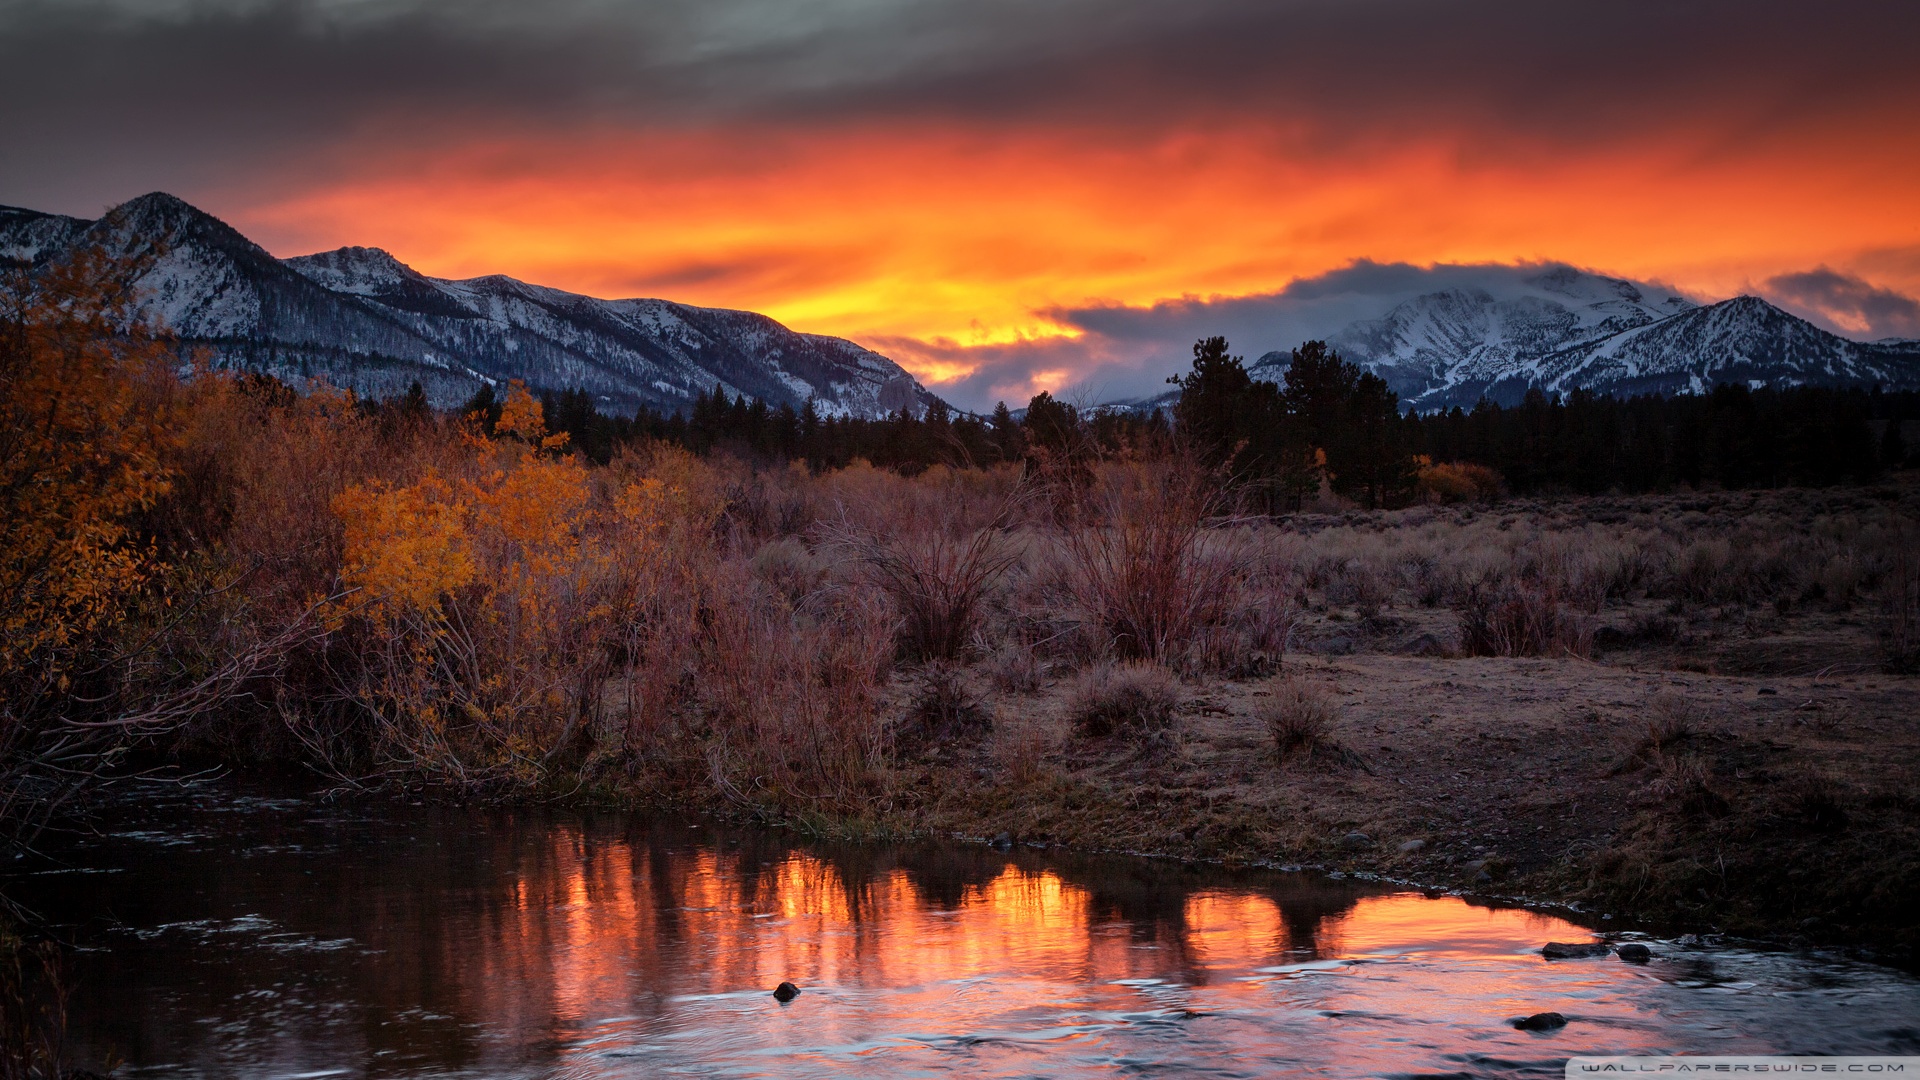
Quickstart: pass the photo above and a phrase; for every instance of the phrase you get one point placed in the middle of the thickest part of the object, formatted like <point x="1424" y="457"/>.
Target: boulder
<point x="1560" y="950"/>
<point x="1634" y="953"/>
<point x="1356" y="841"/>
<point x="1412" y="846"/>
<point x="1545" y="1021"/>
<point x="785" y="992"/>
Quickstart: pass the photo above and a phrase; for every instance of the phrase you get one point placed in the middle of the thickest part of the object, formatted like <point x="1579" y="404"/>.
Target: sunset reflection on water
<point x="447" y="943"/>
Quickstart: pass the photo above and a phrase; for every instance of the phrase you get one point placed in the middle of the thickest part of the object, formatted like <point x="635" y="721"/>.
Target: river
<point x="222" y="933"/>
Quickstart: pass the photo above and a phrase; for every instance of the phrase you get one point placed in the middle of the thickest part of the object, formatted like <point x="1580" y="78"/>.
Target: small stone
<point x="1356" y="841"/>
<point x="1003" y="840"/>
<point x="1635" y="953"/>
<point x="1176" y="837"/>
<point x="785" y="992"/>
<point x="1546" y="1021"/>
<point x="1560" y="950"/>
<point x="1483" y="878"/>
<point x="1412" y="846"/>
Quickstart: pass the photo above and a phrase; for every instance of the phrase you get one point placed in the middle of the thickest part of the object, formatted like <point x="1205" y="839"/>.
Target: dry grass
<point x="1299" y="717"/>
<point x="1024" y="746"/>
<point x="1015" y="670"/>
<point x="1134" y="696"/>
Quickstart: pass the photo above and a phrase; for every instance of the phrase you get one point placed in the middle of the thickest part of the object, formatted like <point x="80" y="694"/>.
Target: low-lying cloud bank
<point x="1846" y="305"/>
<point x="1124" y="352"/>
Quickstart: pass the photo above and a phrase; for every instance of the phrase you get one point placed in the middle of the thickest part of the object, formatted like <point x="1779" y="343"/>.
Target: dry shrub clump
<point x="1299" y="717"/>
<point x="1137" y="565"/>
<point x="935" y="565"/>
<point x="1133" y="696"/>
<point x="1509" y="616"/>
<point x="1900" y="605"/>
<point x="1015" y="670"/>
<point x="786" y="709"/>
<point x="944" y="709"/>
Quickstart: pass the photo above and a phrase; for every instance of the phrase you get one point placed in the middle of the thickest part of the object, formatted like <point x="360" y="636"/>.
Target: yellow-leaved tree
<point x="488" y="593"/>
<point x="83" y="429"/>
<point x="84" y="421"/>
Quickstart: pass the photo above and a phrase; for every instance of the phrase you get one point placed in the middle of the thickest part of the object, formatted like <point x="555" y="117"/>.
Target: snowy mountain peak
<point x="353" y="269"/>
<point x="28" y="236"/>
<point x="360" y="318"/>
<point x="1566" y="329"/>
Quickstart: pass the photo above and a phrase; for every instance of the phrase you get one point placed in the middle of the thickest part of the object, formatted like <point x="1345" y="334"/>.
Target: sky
<point x="1010" y="195"/>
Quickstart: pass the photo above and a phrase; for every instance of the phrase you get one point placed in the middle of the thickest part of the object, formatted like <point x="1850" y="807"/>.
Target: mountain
<point x="360" y="318"/>
<point x="1564" y="330"/>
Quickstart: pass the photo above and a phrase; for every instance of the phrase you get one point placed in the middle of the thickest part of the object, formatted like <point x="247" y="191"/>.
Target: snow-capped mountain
<point x="1564" y="330"/>
<point x="360" y="318"/>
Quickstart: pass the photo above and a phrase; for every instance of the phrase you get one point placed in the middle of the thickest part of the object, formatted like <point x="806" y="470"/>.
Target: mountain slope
<point x="1567" y="330"/>
<point x="360" y="318"/>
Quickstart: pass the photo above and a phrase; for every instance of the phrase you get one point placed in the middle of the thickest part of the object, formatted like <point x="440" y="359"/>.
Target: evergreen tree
<point x="1008" y="440"/>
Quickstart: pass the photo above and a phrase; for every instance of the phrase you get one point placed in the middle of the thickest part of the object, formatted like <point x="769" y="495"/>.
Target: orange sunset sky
<point x="973" y="188"/>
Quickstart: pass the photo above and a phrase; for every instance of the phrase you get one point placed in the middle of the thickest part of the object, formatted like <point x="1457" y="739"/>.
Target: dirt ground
<point x="1646" y="786"/>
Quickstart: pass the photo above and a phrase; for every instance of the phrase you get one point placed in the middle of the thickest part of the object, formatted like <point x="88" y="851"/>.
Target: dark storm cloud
<point x="1849" y="304"/>
<point x="183" y="94"/>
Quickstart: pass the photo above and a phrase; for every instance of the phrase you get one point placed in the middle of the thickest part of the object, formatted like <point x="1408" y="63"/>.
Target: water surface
<point x="234" y="935"/>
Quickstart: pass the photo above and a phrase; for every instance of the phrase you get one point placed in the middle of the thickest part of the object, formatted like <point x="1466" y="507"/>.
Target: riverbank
<point x="1778" y="806"/>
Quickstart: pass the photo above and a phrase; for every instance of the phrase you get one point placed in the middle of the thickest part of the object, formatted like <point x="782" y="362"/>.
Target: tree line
<point x="1328" y="424"/>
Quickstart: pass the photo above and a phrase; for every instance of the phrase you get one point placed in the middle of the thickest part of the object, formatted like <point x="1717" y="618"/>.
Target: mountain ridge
<point x="1568" y="330"/>
<point x="360" y="318"/>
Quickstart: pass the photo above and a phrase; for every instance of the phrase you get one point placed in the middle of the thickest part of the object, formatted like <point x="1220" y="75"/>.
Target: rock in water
<point x="1003" y="841"/>
<point x="1546" y="1021"/>
<point x="1635" y="954"/>
<point x="785" y="992"/>
<point x="1560" y="950"/>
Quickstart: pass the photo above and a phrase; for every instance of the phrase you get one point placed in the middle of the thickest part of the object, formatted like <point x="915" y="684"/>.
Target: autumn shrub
<point x="1685" y="783"/>
<point x="484" y="599"/>
<point x="98" y="603"/>
<point x="1247" y="640"/>
<point x="1134" y="696"/>
<point x="1456" y="481"/>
